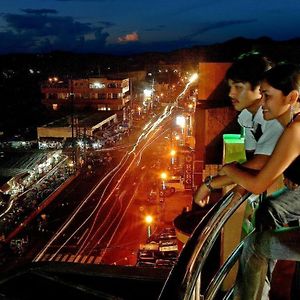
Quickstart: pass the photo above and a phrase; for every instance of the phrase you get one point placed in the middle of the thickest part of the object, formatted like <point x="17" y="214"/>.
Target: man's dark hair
<point x="249" y="67"/>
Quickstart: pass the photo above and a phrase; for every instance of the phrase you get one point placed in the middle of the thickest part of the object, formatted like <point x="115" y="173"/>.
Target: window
<point x="97" y="85"/>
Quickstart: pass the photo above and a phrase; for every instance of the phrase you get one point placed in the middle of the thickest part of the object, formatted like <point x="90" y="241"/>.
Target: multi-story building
<point x="93" y="93"/>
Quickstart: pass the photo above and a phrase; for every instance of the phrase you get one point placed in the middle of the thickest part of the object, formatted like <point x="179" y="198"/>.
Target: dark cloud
<point x="156" y="28"/>
<point x="36" y="31"/>
<point x="43" y="11"/>
<point x="106" y="24"/>
<point x="41" y="30"/>
<point x="83" y="0"/>
<point x="221" y="24"/>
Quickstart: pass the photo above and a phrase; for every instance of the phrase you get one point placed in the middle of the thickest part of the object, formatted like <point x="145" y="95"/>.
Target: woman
<point x="280" y="90"/>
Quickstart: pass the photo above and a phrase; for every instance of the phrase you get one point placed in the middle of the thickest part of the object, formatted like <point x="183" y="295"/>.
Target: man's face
<point x="243" y="96"/>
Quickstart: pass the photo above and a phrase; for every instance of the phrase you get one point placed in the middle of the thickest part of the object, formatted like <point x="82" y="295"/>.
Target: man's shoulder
<point x="245" y="118"/>
<point x="245" y="114"/>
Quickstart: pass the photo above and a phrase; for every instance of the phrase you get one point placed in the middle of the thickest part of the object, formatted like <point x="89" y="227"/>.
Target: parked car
<point x="175" y="182"/>
<point x="168" y="245"/>
<point x="164" y="263"/>
<point x="167" y="233"/>
<point x="167" y="191"/>
<point x="146" y="258"/>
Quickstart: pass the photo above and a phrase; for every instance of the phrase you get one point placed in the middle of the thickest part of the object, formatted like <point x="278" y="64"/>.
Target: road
<point x="108" y="226"/>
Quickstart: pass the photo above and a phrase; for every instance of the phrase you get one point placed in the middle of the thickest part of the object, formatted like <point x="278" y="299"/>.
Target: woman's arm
<point x="286" y="150"/>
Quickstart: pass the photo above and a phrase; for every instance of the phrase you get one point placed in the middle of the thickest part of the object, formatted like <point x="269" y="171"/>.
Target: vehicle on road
<point x="176" y="183"/>
<point x="164" y="263"/>
<point x="167" y="233"/>
<point x="167" y="191"/>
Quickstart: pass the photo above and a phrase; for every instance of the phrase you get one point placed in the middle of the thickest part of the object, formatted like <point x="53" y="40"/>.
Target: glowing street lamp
<point x="193" y="78"/>
<point x="149" y="221"/>
<point x="163" y="177"/>
<point x="180" y="121"/>
<point x="172" y="153"/>
<point x="147" y="92"/>
<point x="139" y="110"/>
<point x="52" y="79"/>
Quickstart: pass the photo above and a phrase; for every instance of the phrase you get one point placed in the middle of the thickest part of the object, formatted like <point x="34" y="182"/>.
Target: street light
<point x="163" y="177"/>
<point x="193" y="78"/>
<point x="149" y="221"/>
<point x="180" y="121"/>
<point x="172" y="153"/>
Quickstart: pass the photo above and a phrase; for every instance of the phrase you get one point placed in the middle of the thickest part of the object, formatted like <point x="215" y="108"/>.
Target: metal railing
<point x="184" y="280"/>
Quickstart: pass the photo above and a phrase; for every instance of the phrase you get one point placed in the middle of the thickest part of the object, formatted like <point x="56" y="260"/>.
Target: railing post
<point x="198" y="288"/>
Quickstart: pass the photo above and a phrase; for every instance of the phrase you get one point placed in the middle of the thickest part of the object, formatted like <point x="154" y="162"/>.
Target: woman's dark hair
<point x="284" y="77"/>
<point x="249" y="67"/>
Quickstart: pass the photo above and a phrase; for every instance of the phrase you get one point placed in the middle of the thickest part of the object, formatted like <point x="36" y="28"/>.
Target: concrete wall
<point x="213" y="116"/>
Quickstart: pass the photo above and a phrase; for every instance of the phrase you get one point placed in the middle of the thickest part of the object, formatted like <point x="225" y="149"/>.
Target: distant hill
<point x="96" y="63"/>
<point x="21" y="74"/>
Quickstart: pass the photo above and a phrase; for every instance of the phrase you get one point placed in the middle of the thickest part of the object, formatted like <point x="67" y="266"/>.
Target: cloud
<point x="106" y="24"/>
<point x="221" y="24"/>
<point x="156" y="28"/>
<point x="43" y="11"/>
<point x="83" y="0"/>
<point x="130" y="37"/>
<point x="37" y="31"/>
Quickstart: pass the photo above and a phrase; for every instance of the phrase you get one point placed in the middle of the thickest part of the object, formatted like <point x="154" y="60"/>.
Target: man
<point x="261" y="136"/>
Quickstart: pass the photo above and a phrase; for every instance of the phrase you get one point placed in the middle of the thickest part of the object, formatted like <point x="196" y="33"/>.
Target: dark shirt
<point x="293" y="171"/>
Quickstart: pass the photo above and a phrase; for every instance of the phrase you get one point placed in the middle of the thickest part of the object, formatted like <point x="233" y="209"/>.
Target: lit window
<point x="97" y="85"/>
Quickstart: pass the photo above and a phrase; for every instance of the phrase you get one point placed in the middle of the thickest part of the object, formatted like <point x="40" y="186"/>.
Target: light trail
<point x="148" y="129"/>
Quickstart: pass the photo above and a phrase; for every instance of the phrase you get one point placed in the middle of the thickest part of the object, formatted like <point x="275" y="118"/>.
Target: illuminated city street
<point x="121" y="138"/>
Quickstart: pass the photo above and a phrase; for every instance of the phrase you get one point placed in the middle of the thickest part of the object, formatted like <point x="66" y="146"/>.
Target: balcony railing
<point x="184" y="281"/>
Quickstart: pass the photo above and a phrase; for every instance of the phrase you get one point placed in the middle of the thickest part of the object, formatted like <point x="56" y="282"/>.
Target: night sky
<point x="132" y="26"/>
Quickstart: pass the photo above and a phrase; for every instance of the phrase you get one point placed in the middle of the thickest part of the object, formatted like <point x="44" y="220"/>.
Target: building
<point x="82" y="125"/>
<point x="90" y="93"/>
<point x="214" y="116"/>
<point x="19" y="169"/>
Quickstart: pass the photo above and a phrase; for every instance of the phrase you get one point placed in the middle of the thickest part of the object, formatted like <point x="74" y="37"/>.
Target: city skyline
<point x="124" y="27"/>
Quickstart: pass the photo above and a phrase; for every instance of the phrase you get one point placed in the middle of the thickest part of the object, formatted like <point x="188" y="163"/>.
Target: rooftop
<point x="84" y="119"/>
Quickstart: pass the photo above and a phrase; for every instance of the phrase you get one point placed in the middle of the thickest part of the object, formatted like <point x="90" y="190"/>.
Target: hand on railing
<point x="201" y="197"/>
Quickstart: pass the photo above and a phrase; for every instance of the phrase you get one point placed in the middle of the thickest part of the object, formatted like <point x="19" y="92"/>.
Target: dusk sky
<point x="130" y="26"/>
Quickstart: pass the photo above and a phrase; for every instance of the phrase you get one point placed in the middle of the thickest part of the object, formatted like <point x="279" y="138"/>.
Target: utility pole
<point x="74" y="154"/>
<point x="130" y="105"/>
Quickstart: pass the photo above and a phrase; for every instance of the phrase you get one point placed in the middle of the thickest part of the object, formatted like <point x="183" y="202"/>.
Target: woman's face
<point x="274" y="102"/>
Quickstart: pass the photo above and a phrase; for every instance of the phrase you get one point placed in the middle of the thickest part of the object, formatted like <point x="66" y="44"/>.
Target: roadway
<point x="108" y="226"/>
